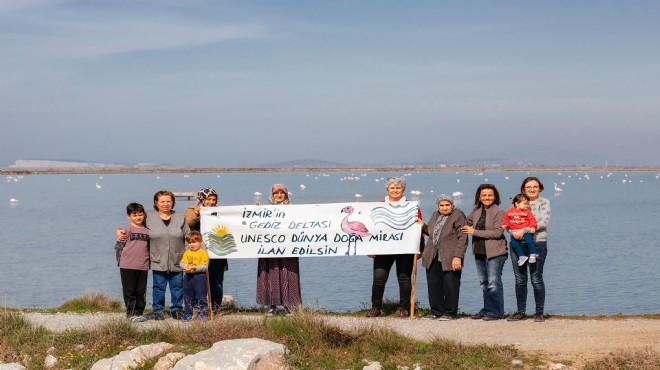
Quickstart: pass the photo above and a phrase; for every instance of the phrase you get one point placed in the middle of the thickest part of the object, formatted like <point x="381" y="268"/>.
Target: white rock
<point x="252" y="354"/>
<point x="168" y="361"/>
<point x="373" y="366"/>
<point x="132" y="358"/>
<point x="558" y="367"/>
<point x="50" y="361"/>
<point x="516" y="362"/>
<point x="12" y="366"/>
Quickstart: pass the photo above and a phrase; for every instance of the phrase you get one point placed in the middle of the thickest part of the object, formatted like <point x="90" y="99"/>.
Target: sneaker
<point x="373" y="312"/>
<point x="447" y="318"/>
<point x="539" y="317"/>
<point x="532" y="258"/>
<point x="477" y="316"/>
<point x="490" y="318"/>
<point x="176" y="314"/>
<point x="287" y="311"/>
<point x="138" y="319"/>
<point x="431" y="317"/>
<point x="187" y="317"/>
<point x="271" y="311"/>
<point x="522" y="260"/>
<point x="403" y="312"/>
<point x="516" y="316"/>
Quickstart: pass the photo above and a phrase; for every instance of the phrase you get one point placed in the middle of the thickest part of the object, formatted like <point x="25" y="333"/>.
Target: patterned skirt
<point x="278" y="282"/>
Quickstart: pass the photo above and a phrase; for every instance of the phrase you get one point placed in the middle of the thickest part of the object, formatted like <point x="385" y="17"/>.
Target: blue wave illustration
<point x="220" y="245"/>
<point x="398" y="217"/>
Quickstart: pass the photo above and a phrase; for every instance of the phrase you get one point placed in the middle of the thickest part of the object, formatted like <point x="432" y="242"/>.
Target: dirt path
<point x="556" y="339"/>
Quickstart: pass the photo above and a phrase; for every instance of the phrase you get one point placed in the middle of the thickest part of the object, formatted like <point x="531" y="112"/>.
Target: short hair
<point x="398" y="180"/>
<point x="194" y="237"/>
<point x="134" y="208"/>
<point x="531" y="178"/>
<point x="519" y="198"/>
<point x="477" y="202"/>
<point x="164" y="193"/>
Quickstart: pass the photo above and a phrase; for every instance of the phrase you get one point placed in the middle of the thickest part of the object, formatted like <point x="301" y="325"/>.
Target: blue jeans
<point x="490" y="279"/>
<point x="161" y="280"/>
<point x="536" y="275"/>
<point x="517" y="246"/>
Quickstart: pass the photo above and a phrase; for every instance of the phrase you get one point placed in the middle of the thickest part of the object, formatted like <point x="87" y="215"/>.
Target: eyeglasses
<point x="532" y="187"/>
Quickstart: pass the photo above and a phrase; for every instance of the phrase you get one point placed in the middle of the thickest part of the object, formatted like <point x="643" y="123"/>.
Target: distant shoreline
<point x="91" y="171"/>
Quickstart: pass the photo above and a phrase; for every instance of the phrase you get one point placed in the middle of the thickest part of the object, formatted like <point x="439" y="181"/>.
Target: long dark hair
<point x="477" y="202"/>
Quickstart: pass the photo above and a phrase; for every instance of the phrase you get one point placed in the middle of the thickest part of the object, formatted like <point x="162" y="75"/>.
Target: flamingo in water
<point x="353" y="229"/>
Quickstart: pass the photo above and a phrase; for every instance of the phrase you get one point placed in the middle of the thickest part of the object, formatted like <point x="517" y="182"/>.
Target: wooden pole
<point x="414" y="287"/>
<point x="208" y="294"/>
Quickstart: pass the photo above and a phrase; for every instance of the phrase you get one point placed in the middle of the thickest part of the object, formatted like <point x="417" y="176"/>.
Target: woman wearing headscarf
<point x="443" y="258"/>
<point x="278" y="279"/>
<point x="489" y="249"/>
<point x="208" y="197"/>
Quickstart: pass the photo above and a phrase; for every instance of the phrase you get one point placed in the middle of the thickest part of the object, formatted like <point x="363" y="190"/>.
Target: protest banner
<point x="311" y="230"/>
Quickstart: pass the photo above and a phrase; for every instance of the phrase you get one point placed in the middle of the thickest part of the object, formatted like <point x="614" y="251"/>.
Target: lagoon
<point x="57" y="238"/>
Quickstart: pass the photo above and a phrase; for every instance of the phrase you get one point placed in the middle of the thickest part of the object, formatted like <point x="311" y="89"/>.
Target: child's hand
<point x="532" y="230"/>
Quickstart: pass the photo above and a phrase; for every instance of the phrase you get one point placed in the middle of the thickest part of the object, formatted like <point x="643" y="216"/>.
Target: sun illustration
<point x="221" y="230"/>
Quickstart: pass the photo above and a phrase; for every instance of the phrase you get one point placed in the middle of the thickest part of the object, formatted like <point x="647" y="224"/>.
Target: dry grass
<point x="91" y="302"/>
<point x="646" y="359"/>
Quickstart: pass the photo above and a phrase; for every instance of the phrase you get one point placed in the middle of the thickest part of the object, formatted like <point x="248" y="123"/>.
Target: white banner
<point x="311" y="230"/>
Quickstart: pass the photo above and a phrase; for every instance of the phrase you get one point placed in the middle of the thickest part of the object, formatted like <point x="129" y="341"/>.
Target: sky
<point x="208" y="83"/>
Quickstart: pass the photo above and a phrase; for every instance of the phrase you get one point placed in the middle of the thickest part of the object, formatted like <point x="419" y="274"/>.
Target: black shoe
<point x="539" y="317"/>
<point x="431" y="317"/>
<point x="516" y="317"/>
<point x="158" y="316"/>
<point x="447" y="318"/>
<point x="477" y="316"/>
<point x="176" y="314"/>
<point x="490" y="318"/>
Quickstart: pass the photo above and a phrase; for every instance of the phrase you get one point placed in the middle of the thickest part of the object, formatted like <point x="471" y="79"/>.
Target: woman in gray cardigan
<point x="443" y="258"/>
<point x="489" y="249"/>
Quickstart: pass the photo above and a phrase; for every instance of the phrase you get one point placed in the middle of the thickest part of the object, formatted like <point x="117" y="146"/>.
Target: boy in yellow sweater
<point x="194" y="263"/>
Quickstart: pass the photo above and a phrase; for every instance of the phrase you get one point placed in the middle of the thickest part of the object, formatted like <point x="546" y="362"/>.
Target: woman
<point x="540" y="207"/>
<point x="278" y="279"/>
<point x="489" y="249"/>
<point x="208" y="197"/>
<point x="395" y="188"/>
<point x="443" y="258"/>
<point x="167" y="230"/>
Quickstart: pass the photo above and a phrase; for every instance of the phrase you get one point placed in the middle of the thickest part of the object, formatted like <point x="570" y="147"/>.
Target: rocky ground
<point x="556" y="339"/>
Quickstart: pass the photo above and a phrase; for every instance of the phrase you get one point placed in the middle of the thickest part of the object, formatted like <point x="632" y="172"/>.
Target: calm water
<point x="57" y="240"/>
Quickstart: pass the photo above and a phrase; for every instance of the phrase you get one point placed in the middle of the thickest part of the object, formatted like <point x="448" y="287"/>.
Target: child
<point x="134" y="263"/>
<point x="194" y="263"/>
<point x="520" y="217"/>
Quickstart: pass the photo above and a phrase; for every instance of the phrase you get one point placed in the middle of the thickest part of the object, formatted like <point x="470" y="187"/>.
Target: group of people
<point x="157" y="240"/>
<point x="444" y="251"/>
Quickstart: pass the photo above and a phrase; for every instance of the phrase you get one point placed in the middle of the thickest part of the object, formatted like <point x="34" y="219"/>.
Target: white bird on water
<point x="302" y="186"/>
<point x="558" y="189"/>
<point x="98" y="186"/>
<point x="13" y="201"/>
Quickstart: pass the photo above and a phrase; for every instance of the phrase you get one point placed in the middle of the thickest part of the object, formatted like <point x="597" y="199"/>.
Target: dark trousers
<point x="194" y="293"/>
<point x="382" y="266"/>
<point x="216" y="278"/>
<point x="444" y="287"/>
<point x="134" y="288"/>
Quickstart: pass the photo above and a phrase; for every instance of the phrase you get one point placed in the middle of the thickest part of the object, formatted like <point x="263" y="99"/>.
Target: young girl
<point x="519" y="217"/>
<point x="278" y="279"/>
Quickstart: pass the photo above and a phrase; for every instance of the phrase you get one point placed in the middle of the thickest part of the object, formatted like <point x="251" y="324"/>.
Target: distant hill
<point x="303" y="163"/>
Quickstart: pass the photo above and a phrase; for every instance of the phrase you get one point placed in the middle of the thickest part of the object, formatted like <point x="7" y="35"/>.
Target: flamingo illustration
<point x="353" y="229"/>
